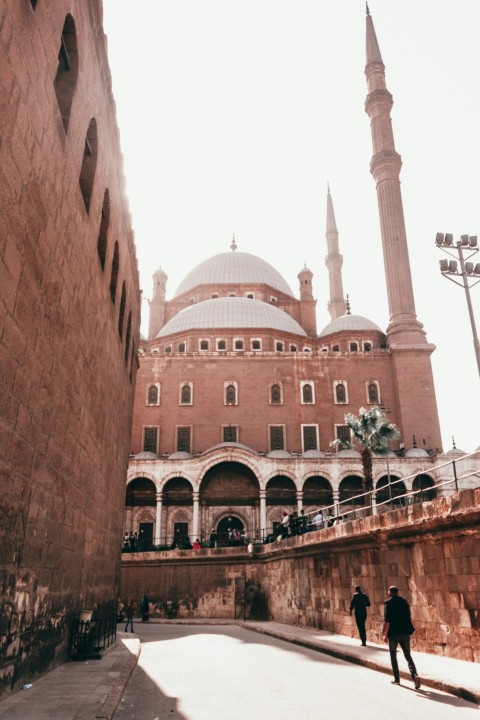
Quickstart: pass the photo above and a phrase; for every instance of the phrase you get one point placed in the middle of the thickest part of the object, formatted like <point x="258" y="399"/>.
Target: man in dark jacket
<point x="358" y="605"/>
<point x="396" y="631"/>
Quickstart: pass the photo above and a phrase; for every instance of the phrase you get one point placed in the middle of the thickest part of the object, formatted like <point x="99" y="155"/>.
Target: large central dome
<point x="231" y="312"/>
<point x="234" y="267"/>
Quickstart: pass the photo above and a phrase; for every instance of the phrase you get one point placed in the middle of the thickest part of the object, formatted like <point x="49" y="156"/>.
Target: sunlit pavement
<point x="197" y="672"/>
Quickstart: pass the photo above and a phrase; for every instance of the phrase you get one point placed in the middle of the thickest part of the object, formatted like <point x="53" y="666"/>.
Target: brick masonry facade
<point x="69" y="330"/>
<point x="430" y="551"/>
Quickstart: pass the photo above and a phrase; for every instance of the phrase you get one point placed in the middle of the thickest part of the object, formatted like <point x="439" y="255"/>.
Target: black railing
<point x="91" y="636"/>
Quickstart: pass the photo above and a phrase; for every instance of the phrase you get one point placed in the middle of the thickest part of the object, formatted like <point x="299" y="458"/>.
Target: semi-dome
<point x="145" y="455"/>
<point x="352" y="323"/>
<point x="416" y="452"/>
<point x="233" y="268"/>
<point x="231" y="312"/>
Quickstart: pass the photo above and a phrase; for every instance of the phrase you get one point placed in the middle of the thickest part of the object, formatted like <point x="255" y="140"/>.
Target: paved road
<point x="229" y="673"/>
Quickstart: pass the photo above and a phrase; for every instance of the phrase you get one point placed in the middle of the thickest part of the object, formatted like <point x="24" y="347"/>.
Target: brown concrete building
<point x="69" y="329"/>
<point x="239" y="395"/>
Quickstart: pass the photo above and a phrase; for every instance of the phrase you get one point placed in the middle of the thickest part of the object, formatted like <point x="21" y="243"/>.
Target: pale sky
<point x="235" y="114"/>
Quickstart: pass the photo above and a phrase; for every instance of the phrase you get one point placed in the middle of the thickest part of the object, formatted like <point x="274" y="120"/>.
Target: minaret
<point x="406" y="340"/>
<point x="334" y="262"/>
<point x="385" y="168"/>
<point x="157" y="303"/>
<point x="307" y="302"/>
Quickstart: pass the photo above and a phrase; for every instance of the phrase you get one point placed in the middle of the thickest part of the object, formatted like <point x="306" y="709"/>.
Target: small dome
<point x="352" y="323"/>
<point x="234" y="267"/>
<point x="231" y="312"/>
<point x="180" y="455"/>
<point x="348" y="454"/>
<point x="416" y="452"/>
<point x="145" y="455"/>
<point x="280" y="454"/>
<point x="313" y="454"/>
<point x="456" y="451"/>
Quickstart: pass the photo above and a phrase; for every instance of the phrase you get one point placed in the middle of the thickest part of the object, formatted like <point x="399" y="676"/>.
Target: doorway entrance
<point x="230" y="532"/>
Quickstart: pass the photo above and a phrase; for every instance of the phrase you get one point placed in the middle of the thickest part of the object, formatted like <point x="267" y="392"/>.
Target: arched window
<point x="275" y="394"/>
<point x="307" y="393"/>
<point x="181" y="347"/>
<point x="114" y="275"/>
<point x="230" y="395"/>
<point x="256" y="345"/>
<point x="129" y="332"/>
<point x="103" y="232"/>
<point x="340" y="393"/>
<point x="67" y="69"/>
<point x="121" y="315"/>
<point x="221" y="345"/>
<point x="335" y="348"/>
<point x="279" y="346"/>
<point x="373" y="396"/>
<point x="186" y="395"/>
<point x="89" y="163"/>
<point x="353" y="347"/>
<point x="238" y="344"/>
<point x="203" y="344"/>
<point x="153" y="395"/>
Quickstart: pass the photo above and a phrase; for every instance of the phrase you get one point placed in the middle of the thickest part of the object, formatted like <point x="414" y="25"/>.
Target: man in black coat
<point x="359" y="604"/>
<point x="396" y="631"/>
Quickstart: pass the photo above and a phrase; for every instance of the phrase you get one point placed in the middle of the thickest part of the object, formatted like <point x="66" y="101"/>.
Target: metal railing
<point x="90" y="636"/>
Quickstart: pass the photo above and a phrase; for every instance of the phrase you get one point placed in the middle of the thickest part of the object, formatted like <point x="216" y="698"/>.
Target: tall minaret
<point x="157" y="303"/>
<point x="334" y="262"/>
<point x="406" y="340"/>
<point x="385" y="168"/>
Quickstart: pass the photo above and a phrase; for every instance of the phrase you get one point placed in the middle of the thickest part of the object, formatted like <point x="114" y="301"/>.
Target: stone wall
<point x="430" y="551"/>
<point x="69" y="330"/>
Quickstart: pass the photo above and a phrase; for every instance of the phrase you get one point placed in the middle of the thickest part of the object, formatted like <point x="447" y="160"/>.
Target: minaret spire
<point x="334" y="261"/>
<point x="385" y="168"/>
<point x="406" y="341"/>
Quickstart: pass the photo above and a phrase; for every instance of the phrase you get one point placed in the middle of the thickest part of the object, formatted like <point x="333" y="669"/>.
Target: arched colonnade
<point x="197" y="497"/>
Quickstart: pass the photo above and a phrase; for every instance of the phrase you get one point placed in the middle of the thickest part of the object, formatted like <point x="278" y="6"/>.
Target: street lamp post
<point x="469" y="272"/>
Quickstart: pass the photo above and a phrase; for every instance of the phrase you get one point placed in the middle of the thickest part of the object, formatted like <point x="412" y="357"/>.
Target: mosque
<point x="239" y="395"/>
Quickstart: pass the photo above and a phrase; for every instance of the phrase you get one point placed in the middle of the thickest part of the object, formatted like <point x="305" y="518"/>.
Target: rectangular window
<point x="230" y="433"/>
<point x="276" y="437"/>
<point x="150" y="439"/>
<point x="343" y="433"/>
<point x="310" y="441"/>
<point x="183" y="439"/>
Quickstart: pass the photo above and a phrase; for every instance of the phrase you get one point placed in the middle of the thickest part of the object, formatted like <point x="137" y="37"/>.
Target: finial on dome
<point x="347" y="305"/>
<point x="453" y="442"/>
<point x="414" y="441"/>
<point x="368" y="9"/>
<point x="233" y="246"/>
<point x="328" y="188"/>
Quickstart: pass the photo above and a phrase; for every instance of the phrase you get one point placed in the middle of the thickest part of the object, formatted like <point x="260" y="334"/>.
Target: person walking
<point x="130" y="611"/>
<point x="358" y="604"/>
<point x="145" y="608"/>
<point x="396" y="631"/>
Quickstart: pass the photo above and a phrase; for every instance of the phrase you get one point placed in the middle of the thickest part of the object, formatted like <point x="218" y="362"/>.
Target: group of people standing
<point x="397" y="627"/>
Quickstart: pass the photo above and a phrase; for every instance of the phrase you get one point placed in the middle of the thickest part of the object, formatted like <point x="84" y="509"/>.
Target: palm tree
<point x="373" y="433"/>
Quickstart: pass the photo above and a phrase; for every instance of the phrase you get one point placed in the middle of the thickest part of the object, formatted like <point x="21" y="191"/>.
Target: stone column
<point x="374" y="502"/>
<point x="158" y="519"/>
<point x="336" y="498"/>
<point x="299" y="500"/>
<point x="129" y="519"/>
<point x="196" y="506"/>
<point x="263" y="513"/>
